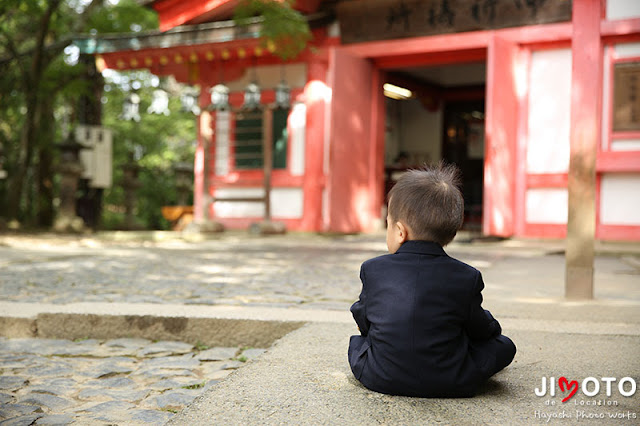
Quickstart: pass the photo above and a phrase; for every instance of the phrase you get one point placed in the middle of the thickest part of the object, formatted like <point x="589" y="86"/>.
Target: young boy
<point x="423" y="331"/>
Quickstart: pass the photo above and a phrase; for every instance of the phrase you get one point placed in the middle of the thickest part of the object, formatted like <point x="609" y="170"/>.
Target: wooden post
<point x="586" y="76"/>
<point x="267" y="150"/>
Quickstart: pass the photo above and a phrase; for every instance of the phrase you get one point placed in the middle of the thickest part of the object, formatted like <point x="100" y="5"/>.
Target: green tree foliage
<point x="159" y="141"/>
<point x="46" y="88"/>
<point x="282" y="26"/>
<point x="41" y="85"/>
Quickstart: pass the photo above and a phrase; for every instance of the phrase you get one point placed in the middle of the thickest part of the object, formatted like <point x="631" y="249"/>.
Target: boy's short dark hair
<point x="429" y="202"/>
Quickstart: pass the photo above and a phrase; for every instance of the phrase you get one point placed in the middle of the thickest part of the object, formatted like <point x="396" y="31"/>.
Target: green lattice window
<point x="248" y="139"/>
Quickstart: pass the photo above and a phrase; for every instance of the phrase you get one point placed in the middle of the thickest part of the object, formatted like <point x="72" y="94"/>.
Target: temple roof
<point x="193" y="52"/>
<point x="188" y="35"/>
<point x="173" y="13"/>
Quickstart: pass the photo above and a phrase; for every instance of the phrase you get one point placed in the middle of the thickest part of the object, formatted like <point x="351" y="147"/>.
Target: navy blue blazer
<point x="422" y="325"/>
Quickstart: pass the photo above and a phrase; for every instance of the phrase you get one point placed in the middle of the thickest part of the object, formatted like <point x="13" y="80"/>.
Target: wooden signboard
<point x="368" y="20"/>
<point x="626" y="97"/>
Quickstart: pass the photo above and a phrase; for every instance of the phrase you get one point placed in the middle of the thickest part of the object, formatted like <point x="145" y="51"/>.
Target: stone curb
<point x="208" y="331"/>
<point x="258" y="327"/>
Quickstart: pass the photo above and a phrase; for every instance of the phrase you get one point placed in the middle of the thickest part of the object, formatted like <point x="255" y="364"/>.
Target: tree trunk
<point x="17" y="179"/>
<point x="31" y="83"/>
<point x="45" y="172"/>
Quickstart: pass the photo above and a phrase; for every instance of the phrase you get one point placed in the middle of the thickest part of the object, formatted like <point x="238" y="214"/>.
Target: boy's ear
<point x="403" y="231"/>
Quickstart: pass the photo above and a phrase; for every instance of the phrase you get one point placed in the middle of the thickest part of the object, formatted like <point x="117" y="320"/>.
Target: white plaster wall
<point x="297" y="127"/>
<point x="420" y="132"/>
<point x="547" y="205"/>
<point x="549" y="111"/>
<point x="286" y="203"/>
<point x="268" y="77"/>
<point x="622" y="9"/>
<point x="627" y="50"/>
<point x="606" y="100"/>
<point x="222" y="141"/>
<point x="625" y="145"/>
<point x="620" y="199"/>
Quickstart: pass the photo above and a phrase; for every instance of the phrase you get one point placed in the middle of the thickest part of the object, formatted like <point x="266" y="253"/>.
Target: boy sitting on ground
<point x="423" y="331"/>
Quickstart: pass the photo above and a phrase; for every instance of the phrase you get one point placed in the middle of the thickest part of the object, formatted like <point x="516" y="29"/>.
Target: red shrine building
<point x="512" y="91"/>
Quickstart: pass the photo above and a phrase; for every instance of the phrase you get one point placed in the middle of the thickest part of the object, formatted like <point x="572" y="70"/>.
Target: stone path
<point x="274" y="272"/>
<point x="126" y="381"/>
<point x="301" y="271"/>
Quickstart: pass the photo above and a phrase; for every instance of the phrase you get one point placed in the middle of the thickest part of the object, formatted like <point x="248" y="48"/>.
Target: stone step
<point x="304" y="378"/>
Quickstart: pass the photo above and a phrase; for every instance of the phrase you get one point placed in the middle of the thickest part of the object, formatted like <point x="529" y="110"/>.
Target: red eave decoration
<point x="172" y="13"/>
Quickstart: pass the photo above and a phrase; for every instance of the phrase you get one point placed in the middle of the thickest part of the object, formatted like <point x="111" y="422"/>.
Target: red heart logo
<point x="562" y="382"/>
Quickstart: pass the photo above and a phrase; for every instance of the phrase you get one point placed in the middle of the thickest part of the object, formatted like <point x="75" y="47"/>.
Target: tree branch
<point x="81" y="23"/>
<point x="15" y="55"/>
<point x="43" y="28"/>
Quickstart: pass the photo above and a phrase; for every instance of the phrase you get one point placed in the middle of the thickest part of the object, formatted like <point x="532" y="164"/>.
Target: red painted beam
<point x="545" y="230"/>
<point x="173" y="13"/>
<point x="421" y="45"/>
<point x="618" y="161"/>
<point x="432" y="58"/>
<point x="538" y="33"/>
<point x="464" y="93"/>
<point x="547" y="180"/>
<point x="472" y="40"/>
<point x="620" y="28"/>
<point x="255" y="178"/>
<point x="618" y="232"/>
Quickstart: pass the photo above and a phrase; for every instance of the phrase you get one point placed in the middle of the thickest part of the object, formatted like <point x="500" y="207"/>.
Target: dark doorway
<point x="463" y="145"/>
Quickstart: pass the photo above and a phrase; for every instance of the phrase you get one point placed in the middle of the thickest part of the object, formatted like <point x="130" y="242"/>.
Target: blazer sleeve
<point x="359" y="308"/>
<point x="480" y="325"/>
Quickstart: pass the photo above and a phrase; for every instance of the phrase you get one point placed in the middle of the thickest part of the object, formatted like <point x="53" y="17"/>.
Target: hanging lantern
<point x="189" y="101"/>
<point x="131" y="108"/>
<point x="252" y="96"/>
<point x="283" y="95"/>
<point x="159" y="103"/>
<point x="220" y="97"/>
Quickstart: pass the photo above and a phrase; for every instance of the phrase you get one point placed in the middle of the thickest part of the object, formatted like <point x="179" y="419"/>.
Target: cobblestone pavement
<point x="126" y="381"/>
<point x="232" y="271"/>
<point x="305" y="271"/>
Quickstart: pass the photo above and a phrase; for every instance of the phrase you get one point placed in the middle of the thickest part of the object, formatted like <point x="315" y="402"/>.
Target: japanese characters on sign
<point x="388" y="19"/>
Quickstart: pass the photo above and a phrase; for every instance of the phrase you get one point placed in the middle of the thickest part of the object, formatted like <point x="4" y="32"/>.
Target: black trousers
<point x="504" y="350"/>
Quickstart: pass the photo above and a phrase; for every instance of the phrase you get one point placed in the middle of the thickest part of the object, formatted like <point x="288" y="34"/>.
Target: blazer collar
<point x="422" y="247"/>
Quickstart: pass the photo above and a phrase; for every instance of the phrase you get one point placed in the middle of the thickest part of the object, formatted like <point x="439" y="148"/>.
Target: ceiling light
<point x="395" y="92"/>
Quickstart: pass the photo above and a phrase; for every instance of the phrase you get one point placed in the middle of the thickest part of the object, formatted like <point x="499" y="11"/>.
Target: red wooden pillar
<point x="348" y="183"/>
<point x="316" y="95"/>
<point x="200" y="167"/>
<point x="586" y="47"/>
<point x="376" y="167"/>
<point x="501" y="132"/>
